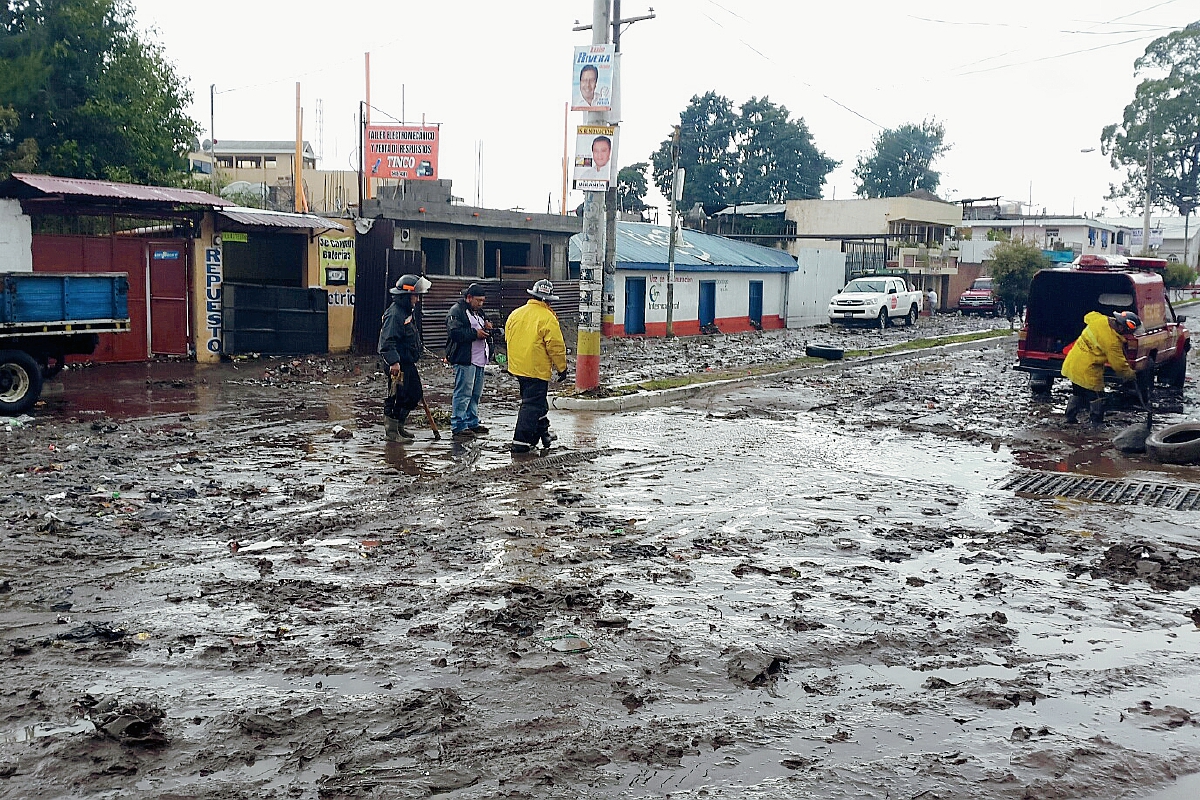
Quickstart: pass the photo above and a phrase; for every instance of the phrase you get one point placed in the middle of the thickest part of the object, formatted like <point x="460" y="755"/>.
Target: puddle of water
<point x="1184" y="788"/>
<point x="31" y="733"/>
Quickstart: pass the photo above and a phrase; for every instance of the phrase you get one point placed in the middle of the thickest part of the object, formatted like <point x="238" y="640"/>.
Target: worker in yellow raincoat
<point x="1100" y="344"/>
<point x="535" y="347"/>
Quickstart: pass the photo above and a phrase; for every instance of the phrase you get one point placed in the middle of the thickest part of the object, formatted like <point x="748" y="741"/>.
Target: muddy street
<point x="220" y="583"/>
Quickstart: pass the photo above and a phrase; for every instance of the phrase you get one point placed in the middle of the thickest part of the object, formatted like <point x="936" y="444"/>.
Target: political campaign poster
<point x="595" y="157"/>
<point x="593" y="78"/>
<point x="402" y="151"/>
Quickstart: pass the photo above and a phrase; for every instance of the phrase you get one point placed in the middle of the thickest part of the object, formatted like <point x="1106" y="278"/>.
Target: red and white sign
<point x="402" y="151"/>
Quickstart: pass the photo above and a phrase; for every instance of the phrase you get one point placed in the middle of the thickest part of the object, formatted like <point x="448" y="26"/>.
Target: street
<point x="219" y="582"/>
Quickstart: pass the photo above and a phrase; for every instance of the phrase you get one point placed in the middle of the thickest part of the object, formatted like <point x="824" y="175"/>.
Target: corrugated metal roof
<point x="279" y="219"/>
<point x="80" y="187"/>
<point x="644" y="246"/>
<point x="752" y="209"/>
<point x="1042" y="222"/>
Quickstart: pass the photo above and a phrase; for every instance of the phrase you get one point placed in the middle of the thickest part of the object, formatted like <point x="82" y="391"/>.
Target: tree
<point x="901" y="161"/>
<point x="1163" y="117"/>
<point x="632" y="187"/>
<point x="756" y="155"/>
<point x="705" y="150"/>
<point x="1014" y="264"/>
<point x="777" y="159"/>
<point x="1177" y="276"/>
<point x="92" y="98"/>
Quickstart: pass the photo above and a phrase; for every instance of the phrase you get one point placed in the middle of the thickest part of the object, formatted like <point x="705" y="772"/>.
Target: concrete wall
<point x="16" y="238"/>
<point x="732" y="300"/>
<point x="867" y="216"/>
<point x="821" y="273"/>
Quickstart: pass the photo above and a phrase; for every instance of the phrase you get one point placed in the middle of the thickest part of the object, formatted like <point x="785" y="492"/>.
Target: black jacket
<point x="399" y="340"/>
<point x="460" y="336"/>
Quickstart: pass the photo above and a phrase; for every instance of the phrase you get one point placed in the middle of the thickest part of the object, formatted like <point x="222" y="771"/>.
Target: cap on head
<point x="1126" y="321"/>
<point x="543" y="290"/>
<point x="411" y="284"/>
<point x="475" y="290"/>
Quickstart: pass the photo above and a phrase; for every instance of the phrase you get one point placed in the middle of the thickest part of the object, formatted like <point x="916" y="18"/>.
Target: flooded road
<point x="220" y="583"/>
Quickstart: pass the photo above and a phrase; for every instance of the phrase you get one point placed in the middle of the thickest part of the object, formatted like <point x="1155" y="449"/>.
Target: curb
<point x="661" y="397"/>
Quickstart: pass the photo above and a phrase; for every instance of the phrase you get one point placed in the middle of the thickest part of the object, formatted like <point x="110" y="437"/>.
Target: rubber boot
<point x="1074" y="406"/>
<point x="391" y="429"/>
<point x="1096" y="413"/>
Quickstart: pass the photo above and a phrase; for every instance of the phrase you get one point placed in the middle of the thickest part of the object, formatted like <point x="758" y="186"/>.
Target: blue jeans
<point x="468" y="388"/>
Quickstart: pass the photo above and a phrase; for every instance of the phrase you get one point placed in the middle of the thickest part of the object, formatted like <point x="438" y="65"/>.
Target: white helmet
<point x="543" y="290"/>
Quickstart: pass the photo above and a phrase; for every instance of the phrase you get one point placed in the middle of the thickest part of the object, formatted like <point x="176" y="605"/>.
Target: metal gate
<point x="276" y="320"/>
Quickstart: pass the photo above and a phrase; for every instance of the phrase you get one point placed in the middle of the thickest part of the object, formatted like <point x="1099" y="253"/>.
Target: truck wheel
<point x="911" y="319"/>
<point x="20" y="382"/>
<point x="883" y="318"/>
<point x="1173" y="373"/>
<point x="1041" y="385"/>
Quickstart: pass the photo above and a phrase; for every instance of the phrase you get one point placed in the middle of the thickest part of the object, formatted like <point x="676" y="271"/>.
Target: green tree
<point x="1163" y="117"/>
<point x="1177" y="276"/>
<point x="901" y="161"/>
<point x="632" y="187"/>
<point x="777" y="159"/>
<point x="1014" y="263"/>
<point x="756" y="155"/>
<point x="93" y="99"/>
<point x="706" y="151"/>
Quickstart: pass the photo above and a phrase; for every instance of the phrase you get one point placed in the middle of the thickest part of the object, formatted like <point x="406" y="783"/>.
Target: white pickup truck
<point x="875" y="299"/>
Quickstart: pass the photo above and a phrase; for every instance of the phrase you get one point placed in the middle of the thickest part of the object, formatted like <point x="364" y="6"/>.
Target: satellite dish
<point x="206" y="145"/>
<point x="195" y="144"/>
<point x="363" y="225"/>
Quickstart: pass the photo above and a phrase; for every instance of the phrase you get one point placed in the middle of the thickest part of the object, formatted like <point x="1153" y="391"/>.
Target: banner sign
<point x="595" y="157"/>
<point x="213" y="315"/>
<point x="337" y="260"/>
<point x="402" y="151"/>
<point x="1135" y="237"/>
<point x="592" y="78"/>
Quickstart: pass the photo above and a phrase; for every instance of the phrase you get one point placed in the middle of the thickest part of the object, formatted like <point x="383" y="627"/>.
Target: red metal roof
<point x="80" y="187"/>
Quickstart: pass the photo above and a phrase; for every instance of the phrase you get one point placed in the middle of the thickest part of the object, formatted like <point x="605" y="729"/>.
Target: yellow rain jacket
<point x="535" y="341"/>
<point x="1097" y="345"/>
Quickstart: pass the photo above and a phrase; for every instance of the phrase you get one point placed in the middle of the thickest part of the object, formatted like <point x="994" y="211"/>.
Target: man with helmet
<point x="400" y="347"/>
<point x="535" y="347"/>
<point x="1099" y="344"/>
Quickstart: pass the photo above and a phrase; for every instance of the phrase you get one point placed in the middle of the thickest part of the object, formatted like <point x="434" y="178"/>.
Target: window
<point x="225" y="162"/>
<point x="269" y="162"/>
<point x="249" y="162"/>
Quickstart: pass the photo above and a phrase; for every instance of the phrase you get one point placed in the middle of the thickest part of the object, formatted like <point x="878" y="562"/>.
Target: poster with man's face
<point x="595" y="157"/>
<point x="592" y="78"/>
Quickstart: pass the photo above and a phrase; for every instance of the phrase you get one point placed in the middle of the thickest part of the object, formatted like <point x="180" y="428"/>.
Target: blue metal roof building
<point x="642" y="246"/>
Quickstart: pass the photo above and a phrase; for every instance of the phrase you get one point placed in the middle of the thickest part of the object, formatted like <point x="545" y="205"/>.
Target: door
<point x="168" y="298"/>
<point x="708" y="303"/>
<point x="635" y="306"/>
<point x="756" y="297"/>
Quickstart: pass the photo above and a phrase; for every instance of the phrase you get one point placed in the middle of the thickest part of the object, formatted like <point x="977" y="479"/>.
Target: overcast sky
<point x="1023" y="87"/>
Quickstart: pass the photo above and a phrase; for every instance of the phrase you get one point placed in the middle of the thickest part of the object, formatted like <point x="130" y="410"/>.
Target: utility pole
<point x="674" y="221"/>
<point x="591" y="265"/>
<point x="1149" y="179"/>
<point x="212" y="132"/>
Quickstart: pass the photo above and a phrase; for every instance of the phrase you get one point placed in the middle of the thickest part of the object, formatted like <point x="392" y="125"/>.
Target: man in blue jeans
<point x="467" y="350"/>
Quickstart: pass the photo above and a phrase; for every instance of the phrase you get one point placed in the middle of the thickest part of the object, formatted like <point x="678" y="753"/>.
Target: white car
<point x="877" y="300"/>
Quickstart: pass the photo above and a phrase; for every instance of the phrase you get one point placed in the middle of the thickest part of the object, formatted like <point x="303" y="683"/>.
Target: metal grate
<point x="1178" y="496"/>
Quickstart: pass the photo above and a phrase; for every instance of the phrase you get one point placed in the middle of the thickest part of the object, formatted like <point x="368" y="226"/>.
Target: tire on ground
<point x="827" y="351"/>
<point x="1041" y="384"/>
<point x="1175" y="444"/>
<point x="20" y="382"/>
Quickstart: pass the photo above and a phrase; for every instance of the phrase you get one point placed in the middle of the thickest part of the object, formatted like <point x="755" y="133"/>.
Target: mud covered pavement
<point x="220" y="583"/>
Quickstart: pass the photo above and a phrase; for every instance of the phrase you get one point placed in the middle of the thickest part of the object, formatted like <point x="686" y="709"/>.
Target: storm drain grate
<point x="1181" y="497"/>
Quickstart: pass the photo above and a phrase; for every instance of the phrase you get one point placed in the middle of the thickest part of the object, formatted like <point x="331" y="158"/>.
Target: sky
<point x="1023" y="88"/>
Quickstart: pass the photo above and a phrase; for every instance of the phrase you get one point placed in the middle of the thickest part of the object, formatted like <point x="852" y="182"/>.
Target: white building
<point x="1078" y="235"/>
<point x="1173" y="231"/>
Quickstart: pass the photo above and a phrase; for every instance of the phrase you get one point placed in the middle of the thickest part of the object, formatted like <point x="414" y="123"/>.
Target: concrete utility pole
<point x="674" y="222"/>
<point x="212" y="133"/>
<point x="1149" y="178"/>
<point x="591" y="266"/>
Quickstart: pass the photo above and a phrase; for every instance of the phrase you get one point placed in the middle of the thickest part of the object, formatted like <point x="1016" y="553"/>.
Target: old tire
<point x="911" y="319"/>
<point x="20" y="382"/>
<point x="1175" y="444"/>
<point x="826" y="351"/>
<point x="882" y="322"/>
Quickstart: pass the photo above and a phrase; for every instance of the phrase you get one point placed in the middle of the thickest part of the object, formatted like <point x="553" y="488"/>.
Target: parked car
<point x="1059" y="297"/>
<point x="876" y="300"/>
<point x="979" y="299"/>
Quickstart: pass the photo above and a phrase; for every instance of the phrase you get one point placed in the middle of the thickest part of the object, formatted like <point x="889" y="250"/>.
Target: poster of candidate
<point x="595" y="157"/>
<point x="592" y="78"/>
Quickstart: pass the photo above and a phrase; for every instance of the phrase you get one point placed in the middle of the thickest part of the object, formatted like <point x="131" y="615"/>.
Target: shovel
<point x="1133" y="438"/>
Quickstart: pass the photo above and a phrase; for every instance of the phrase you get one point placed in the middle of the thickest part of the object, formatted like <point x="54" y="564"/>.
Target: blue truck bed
<point x="50" y="303"/>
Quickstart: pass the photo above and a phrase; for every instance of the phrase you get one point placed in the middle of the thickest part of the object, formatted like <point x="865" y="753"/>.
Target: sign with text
<point x="595" y="157"/>
<point x="402" y="151"/>
<point x="592" y="78"/>
<point x="213" y="314"/>
<point x="1135" y="237"/>
<point x="337" y="260"/>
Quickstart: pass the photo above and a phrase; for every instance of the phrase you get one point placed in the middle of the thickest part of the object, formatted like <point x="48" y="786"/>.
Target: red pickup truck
<point x="1059" y="297"/>
<point x="979" y="299"/>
